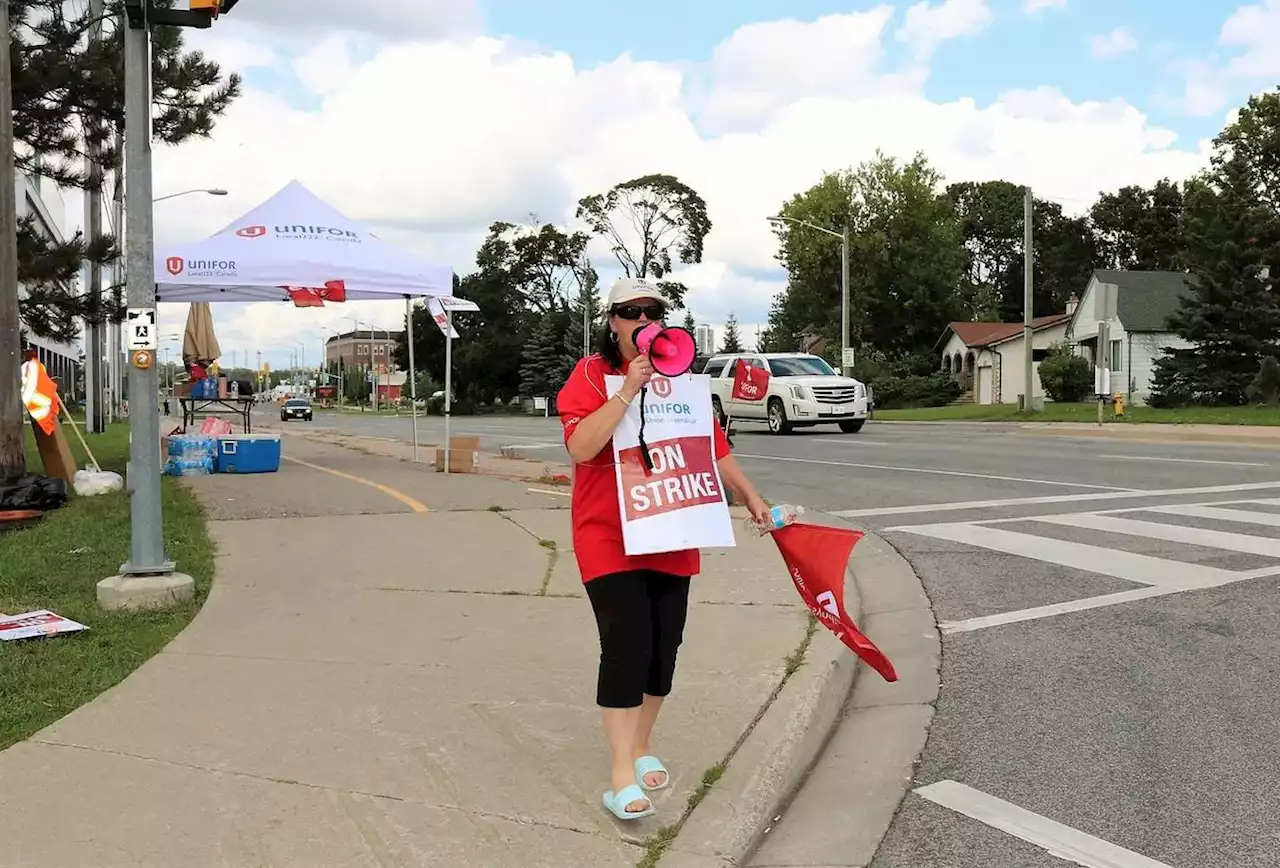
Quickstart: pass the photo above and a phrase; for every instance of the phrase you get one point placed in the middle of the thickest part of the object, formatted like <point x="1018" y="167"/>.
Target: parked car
<point x="295" y="408"/>
<point x="803" y="391"/>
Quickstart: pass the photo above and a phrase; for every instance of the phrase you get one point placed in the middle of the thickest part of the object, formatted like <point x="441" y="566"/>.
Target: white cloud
<point x="1250" y="36"/>
<point x="1107" y="45"/>
<point x="430" y="141"/>
<point x="1033" y="6"/>
<point x="1255" y="32"/>
<point x="928" y="25"/>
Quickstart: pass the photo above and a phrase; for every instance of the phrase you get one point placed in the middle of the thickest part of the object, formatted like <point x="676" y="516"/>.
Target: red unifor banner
<point x="750" y="383"/>
<point x="817" y="557"/>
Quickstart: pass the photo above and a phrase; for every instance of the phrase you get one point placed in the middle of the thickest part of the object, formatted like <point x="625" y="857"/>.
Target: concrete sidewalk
<point x="398" y="669"/>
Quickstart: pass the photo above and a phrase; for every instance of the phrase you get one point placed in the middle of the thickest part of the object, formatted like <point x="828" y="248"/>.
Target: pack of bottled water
<point x="191" y="455"/>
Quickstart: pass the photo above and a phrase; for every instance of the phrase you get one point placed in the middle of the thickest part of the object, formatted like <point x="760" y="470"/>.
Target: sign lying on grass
<point x="30" y="625"/>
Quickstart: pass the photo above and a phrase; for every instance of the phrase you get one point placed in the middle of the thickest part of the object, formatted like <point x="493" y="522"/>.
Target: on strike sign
<point x="679" y="503"/>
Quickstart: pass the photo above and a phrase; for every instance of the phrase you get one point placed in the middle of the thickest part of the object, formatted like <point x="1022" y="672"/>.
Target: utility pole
<point x="845" y="367"/>
<point x="1028" y="268"/>
<point x="148" y="578"/>
<point x="12" y="452"/>
<point x="95" y="344"/>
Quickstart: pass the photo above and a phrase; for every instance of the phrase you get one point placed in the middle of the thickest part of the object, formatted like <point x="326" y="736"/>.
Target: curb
<point x="835" y="730"/>
<point x="780" y="751"/>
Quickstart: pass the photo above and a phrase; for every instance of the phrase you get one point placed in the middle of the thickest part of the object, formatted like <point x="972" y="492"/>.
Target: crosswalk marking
<point x="1161" y="576"/>
<point x="1214" y="513"/>
<point x="1143" y="569"/>
<point x="1196" y="536"/>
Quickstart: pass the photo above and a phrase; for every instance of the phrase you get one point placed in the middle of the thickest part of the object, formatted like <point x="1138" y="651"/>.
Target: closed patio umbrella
<point x="199" y="343"/>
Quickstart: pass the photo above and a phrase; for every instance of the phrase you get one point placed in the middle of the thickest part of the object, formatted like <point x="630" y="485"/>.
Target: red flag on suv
<point x="750" y="384"/>
<point x="816" y="558"/>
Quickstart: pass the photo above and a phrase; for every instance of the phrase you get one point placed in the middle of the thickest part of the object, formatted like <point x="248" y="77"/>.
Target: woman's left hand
<point x="759" y="511"/>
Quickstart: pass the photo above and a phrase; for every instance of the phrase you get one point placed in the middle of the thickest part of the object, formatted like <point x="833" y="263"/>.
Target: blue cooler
<point x="248" y="453"/>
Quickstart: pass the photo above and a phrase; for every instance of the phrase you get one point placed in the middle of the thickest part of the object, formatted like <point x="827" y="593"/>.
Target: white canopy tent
<point x="295" y="240"/>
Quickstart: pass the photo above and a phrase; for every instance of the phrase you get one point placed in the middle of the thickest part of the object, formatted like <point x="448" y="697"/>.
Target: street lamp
<point x="845" y="367"/>
<point x="214" y="191"/>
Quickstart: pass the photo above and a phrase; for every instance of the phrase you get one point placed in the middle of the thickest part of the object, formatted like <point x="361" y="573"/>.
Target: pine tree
<point x="1230" y="316"/>
<point x="68" y="92"/>
<point x="541" y="359"/>
<point x="689" y="323"/>
<point x="732" y="342"/>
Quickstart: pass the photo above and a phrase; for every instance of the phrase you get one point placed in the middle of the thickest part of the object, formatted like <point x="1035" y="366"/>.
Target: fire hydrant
<point x="1117" y="403"/>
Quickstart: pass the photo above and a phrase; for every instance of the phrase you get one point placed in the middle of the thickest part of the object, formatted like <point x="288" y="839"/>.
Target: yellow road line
<point x="415" y="505"/>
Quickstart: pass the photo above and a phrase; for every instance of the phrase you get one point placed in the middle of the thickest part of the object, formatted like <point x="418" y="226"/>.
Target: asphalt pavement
<point x="1110" y="612"/>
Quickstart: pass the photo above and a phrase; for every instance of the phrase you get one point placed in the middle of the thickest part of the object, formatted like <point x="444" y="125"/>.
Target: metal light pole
<point x="845" y="367"/>
<point x="147" y="579"/>
<point x="212" y="191"/>
<point x="413" y="372"/>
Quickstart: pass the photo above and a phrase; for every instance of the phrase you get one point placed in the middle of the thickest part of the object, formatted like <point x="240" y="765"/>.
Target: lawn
<point x="1087" y="412"/>
<point x="57" y="564"/>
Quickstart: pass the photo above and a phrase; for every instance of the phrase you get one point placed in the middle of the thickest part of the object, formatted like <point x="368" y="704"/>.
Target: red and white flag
<point x="816" y="557"/>
<point x="749" y="383"/>
<point x="302" y="296"/>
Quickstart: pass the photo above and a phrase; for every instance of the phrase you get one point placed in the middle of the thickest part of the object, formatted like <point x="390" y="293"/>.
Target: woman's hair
<point x="608" y="348"/>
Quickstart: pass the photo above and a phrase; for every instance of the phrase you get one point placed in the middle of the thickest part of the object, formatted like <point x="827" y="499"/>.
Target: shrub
<point x="933" y="390"/>
<point x="1066" y="377"/>
<point x="1265" y="388"/>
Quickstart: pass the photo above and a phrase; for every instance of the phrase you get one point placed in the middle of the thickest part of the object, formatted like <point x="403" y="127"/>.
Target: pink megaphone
<point x="671" y="349"/>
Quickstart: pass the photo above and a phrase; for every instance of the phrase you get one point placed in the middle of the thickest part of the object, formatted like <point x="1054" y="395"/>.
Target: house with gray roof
<point x="1140" y="331"/>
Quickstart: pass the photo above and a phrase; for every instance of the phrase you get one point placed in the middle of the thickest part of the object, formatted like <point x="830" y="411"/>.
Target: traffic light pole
<point x="148" y="579"/>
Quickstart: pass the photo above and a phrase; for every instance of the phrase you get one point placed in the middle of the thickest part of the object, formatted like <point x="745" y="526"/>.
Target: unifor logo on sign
<point x="174" y="264"/>
<point x="252" y="231"/>
<point x="661" y="386"/>
<point x="209" y="267"/>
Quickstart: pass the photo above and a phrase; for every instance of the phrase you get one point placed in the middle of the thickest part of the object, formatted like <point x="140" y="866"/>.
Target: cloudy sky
<point x="429" y="120"/>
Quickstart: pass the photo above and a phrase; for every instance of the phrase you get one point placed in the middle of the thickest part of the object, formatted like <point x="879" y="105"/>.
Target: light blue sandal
<point x="648" y="765"/>
<point x="617" y="804"/>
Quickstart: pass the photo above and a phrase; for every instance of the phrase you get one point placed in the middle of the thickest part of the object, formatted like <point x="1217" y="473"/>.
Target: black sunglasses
<point x="654" y="312"/>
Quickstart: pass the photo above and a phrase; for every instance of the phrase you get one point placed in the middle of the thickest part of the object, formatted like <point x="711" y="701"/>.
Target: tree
<point x="486" y="360"/>
<point x="992" y="218"/>
<point x="690" y="325"/>
<point x="542" y="361"/>
<point x="650" y="223"/>
<point x="583" y="317"/>
<point x="1231" y="316"/>
<point x="1066" y="377"/>
<point x="1139" y="229"/>
<point x="68" y="91"/>
<point x="546" y="264"/>
<point x="732" y="342"/>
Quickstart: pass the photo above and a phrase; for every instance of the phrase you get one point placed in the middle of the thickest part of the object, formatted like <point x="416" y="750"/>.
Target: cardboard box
<point x="464" y="455"/>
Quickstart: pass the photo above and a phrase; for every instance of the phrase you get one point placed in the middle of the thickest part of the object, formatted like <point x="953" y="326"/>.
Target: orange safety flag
<point x="40" y="394"/>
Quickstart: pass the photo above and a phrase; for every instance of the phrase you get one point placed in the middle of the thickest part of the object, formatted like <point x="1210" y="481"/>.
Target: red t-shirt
<point x="597" y="519"/>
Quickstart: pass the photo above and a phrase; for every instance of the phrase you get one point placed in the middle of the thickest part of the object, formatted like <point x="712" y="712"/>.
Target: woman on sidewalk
<point x="639" y="602"/>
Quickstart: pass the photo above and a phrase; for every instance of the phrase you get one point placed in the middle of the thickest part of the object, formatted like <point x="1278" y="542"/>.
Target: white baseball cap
<point x="627" y="289"/>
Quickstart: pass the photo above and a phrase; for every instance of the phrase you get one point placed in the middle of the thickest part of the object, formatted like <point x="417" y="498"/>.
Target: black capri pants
<point x="640" y="615"/>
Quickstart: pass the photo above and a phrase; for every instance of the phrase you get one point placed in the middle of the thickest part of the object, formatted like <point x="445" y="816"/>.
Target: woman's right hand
<point x="639" y="372"/>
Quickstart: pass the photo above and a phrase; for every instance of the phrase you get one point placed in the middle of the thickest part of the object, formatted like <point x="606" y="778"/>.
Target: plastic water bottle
<point x="780" y="516"/>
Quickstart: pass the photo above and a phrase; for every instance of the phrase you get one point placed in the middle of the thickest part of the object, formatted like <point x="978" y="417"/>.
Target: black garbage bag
<point x="32" y="491"/>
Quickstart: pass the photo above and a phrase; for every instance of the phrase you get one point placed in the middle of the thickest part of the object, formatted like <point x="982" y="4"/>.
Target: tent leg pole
<point x="448" y="385"/>
<point x="413" y="374"/>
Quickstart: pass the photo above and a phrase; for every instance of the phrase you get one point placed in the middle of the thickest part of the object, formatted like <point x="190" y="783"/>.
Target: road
<point x="1111" y="621"/>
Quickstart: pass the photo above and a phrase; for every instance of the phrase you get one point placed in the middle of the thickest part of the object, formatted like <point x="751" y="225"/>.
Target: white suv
<point x="803" y="391"/>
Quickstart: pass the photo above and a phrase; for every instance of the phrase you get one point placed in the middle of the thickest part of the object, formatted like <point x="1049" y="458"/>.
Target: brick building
<point x="363" y="348"/>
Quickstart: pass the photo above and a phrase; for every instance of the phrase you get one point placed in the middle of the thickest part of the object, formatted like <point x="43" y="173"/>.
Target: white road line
<point x="1017" y="616"/>
<point x="1269" y="519"/>
<point x="1182" y="460"/>
<point x="1196" y="536"/>
<point x="1065" y="498"/>
<point x="1051" y="836"/>
<point x="1143" y="569"/>
<point x="852" y="441"/>
<point x="930" y="471"/>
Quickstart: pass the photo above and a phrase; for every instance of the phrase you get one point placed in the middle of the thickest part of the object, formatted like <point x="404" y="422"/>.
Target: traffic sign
<point x="140" y="329"/>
